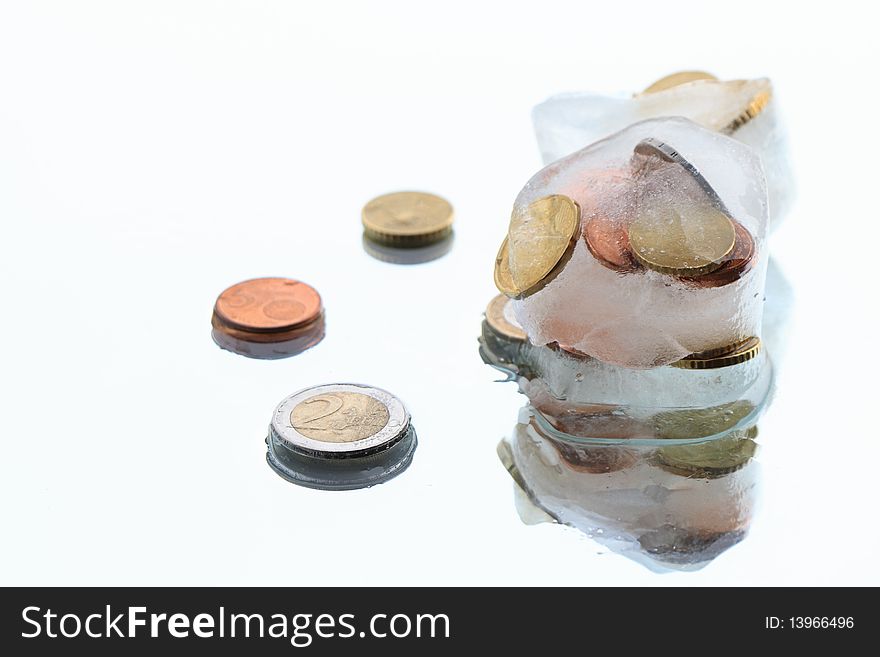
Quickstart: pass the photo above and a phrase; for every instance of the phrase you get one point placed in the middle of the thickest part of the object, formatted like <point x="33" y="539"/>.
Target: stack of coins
<point x="702" y="245"/>
<point x="407" y="227"/>
<point x="502" y="335"/>
<point x="340" y="437"/>
<point x="711" y="459"/>
<point x="268" y="318"/>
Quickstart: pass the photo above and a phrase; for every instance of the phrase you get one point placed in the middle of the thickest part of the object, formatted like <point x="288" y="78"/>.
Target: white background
<point x="153" y="153"/>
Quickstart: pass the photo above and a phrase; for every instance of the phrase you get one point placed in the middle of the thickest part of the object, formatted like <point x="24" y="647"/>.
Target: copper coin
<point x="595" y="460"/>
<point x="740" y="261"/>
<point x="268" y="305"/>
<point x="609" y="244"/>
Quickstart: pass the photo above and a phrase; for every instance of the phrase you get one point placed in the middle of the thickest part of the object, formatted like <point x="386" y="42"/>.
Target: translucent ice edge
<point x="745" y="422"/>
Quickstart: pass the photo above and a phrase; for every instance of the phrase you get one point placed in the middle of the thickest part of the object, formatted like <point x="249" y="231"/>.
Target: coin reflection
<point x="411" y="255"/>
<point x="630" y="500"/>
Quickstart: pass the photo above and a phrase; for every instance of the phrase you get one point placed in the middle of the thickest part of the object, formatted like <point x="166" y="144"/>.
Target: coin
<point x="267" y="305"/>
<point x="411" y="255"/>
<point x="503" y="277"/>
<point x="500" y="317"/>
<point x="651" y="147"/>
<point x="407" y="219"/>
<point x="596" y="459"/>
<point x="740" y="353"/>
<point x="687" y="244"/>
<point x="609" y="244"/>
<point x="677" y="79"/>
<point x="340" y="436"/>
<point x="541" y="239"/>
<point x="701" y="422"/>
<point x="735" y="266"/>
<point x="710" y="459"/>
<point x="755" y="106"/>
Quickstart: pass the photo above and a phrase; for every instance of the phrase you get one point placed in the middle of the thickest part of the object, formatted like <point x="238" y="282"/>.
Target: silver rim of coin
<point x="666" y="152"/>
<point x="398" y="422"/>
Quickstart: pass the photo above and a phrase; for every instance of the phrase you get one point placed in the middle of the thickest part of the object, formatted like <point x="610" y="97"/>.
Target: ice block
<point x="746" y="110"/>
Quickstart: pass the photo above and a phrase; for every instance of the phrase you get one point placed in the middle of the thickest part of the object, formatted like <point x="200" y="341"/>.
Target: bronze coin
<point x="595" y="460"/>
<point x="739" y="261"/>
<point x="268" y="305"/>
<point x="609" y="244"/>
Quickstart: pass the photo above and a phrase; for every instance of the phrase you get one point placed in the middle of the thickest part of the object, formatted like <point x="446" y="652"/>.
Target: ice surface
<point x="568" y="122"/>
<point x="645" y="318"/>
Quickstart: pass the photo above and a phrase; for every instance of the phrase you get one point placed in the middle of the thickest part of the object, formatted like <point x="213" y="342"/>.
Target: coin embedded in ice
<point x="735" y="266"/>
<point x="687" y="244"/>
<point x="710" y="459"/>
<point x="340" y="436"/>
<point x="499" y="315"/>
<point x="651" y="147"/>
<point x="541" y="237"/>
<point x="721" y="357"/>
<point x="268" y="305"/>
<point x="757" y="102"/>
<point x="609" y="244"/>
<point x="503" y="278"/>
<point x="407" y="219"/>
<point x="676" y="79"/>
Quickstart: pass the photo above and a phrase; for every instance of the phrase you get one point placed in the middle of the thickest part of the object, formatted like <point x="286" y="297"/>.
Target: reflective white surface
<point x="152" y="155"/>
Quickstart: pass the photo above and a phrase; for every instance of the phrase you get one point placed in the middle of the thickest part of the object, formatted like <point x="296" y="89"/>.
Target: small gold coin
<point x="689" y="243"/>
<point x="407" y="219"/>
<point x="676" y="79"/>
<point x="503" y="279"/>
<point x="755" y="106"/>
<point x="339" y="417"/>
<point x="721" y="357"/>
<point x="541" y="236"/>
<point x="700" y="422"/>
<point x="500" y="318"/>
<point x="710" y="459"/>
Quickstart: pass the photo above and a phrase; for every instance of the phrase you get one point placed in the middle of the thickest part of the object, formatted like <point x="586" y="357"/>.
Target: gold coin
<point x="754" y="107"/>
<point x="503" y="278"/>
<point x="710" y="459"/>
<point x="541" y="237"/>
<point x="700" y="422"/>
<point x="339" y="417"/>
<point x="500" y="318"/>
<point x="721" y="357"/>
<point x="676" y="79"/>
<point x="407" y="219"/>
<point x="686" y="244"/>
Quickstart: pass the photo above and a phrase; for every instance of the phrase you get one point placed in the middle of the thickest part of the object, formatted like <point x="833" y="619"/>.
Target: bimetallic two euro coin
<point x="340" y="436"/>
<point x="407" y="219"/>
<point x="540" y="240"/>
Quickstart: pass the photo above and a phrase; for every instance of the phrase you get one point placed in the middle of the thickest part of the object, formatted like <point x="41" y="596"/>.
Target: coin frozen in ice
<point x="540" y="239"/>
<point x="340" y="436"/>
<point x="687" y="242"/>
